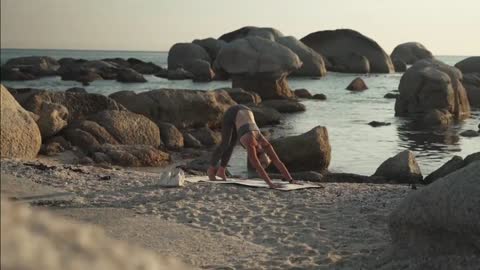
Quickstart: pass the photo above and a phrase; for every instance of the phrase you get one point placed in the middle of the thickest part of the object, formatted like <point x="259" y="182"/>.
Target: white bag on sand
<point x="175" y="178"/>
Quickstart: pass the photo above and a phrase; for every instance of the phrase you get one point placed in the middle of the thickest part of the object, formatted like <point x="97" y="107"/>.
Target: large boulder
<point x="455" y="163"/>
<point x="201" y="70"/>
<point x="431" y="88"/>
<point x="265" y="116"/>
<point x="206" y="136"/>
<point x="79" y="105"/>
<point x="401" y="168"/>
<point x="469" y="65"/>
<point x="442" y="218"/>
<point x="471" y="83"/>
<point x="310" y="151"/>
<point x="181" y="54"/>
<point x="128" y="128"/>
<point x="34" y="239"/>
<point x="183" y="108"/>
<point x="211" y="45"/>
<point x="410" y="52"/>
<point x="241" y="96"/>
<point x="20" y="136"/>
<point x="399" y="65"/>
<point x="38" y="66"/>
<point x="143" y="67"/>
<point x="52" y="119"/>
<point x="285" y="105"/>
<point x="87" y="71"/>
<point x="349" y="63"/>
<point x="88" y="135"/>
<point x="313" y="64"/>
<point x="259" y="65"/>
<point x="15" y="74"/>
<point x="252" y="31"/>
<point x="337" y="44"/>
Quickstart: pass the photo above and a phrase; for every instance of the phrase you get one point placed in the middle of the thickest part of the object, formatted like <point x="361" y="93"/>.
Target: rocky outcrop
<point x="241" y="96"/>
<point x="171" y="136"/>
<point x="410" y="53"/>
<point x="432" y="91"/>
<point x="284" y="105"/>
<point x="79" y="105"/>
<point x="442" y="218"/>
<point x="252" y="31"/>
<point x="211" y="45"/>
<point x="452" y="165"/>
<point x="52" y="119"/>
<point x="37" y="66"/>
<point x="313" y="64"/>
<point x="143" y="67"/>
<point x="20" y="136"/>
<point x="190" y="141"/>
<point x="357" y="85"/>
<point x="128" y="75"/>
<point x="346" y="50"/>
<point x="469" y="65"/>
<point x="265" y="116"/>
<point x="258" y="65"/>
<point x="310" y="151"/>
<point x="401" y="168"/>
<point x="471" y="83"/>
<point x="399" y="65"/>
<point x="206" y="136"/>
<point x="179" y="107"/>
<point x="15" y="74"/>
<point x="181" y="54"/>
<point x="57" y="244"/>
<point x="87" y="71"/>
<point x="201" y="70"/>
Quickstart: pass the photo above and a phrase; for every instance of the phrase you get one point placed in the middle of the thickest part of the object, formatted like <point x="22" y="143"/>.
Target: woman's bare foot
<point x="211" y="173"/>
<point x="221" y="173"/>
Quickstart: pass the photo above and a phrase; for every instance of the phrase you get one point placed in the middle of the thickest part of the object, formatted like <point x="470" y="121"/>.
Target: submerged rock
<point x="402" y="168"/>
<point x="302" y="93"/>
<point x="357" y="85"/>
<point x="284" y="105"/>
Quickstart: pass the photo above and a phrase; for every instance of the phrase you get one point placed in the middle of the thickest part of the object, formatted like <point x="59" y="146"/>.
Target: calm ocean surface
<point x="356" y="147"/>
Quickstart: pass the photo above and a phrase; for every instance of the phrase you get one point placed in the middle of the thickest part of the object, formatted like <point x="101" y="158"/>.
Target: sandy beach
<point x="212" y="226"/>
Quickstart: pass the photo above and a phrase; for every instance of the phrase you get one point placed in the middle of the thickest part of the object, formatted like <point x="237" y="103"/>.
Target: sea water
<point x="356" y="146"/>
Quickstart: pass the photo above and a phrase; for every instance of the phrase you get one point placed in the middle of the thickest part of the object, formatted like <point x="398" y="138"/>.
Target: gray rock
<point x="337" y="44"/>
<point x="284" y="105"/>
<point x="201" y="70"/>
<point x="399" y="65"/>
<point x="252" y="31"/>
<point x="451" y="166"/>
<point x="206" y="136"/>
<point x="76" y="90"/>
<point x="471" y="82"/>
<point x="319" y="97"/>
<point x="310" y="151"/>
<point x="391" y="95"/>
<point x="410" y="52"/>
<point x="313" y="64"/>
<point x="128" y="75"/>
<point x="181" y="54"/>
<point x="378" y="124"/>
<point x="134" y="155"/>
<point x="20" y="135"/>
<point x="143" y="67"/>
<point x="357" y="85"/>
<point x="190" y="141"/>
<point x="469" y="133"/>
<point x="302" y="93"/>
<point x="469" y="65"/>
<point x="265" y="116"/>
<point x="241" y="96"/>
<point x="442" y="218"/>
<point x="211" y="45"/>
<point x="15" y="74"/>
<point x="432" y="85"/>
<point x="402" y="168"/>
<point x="38" y="66"/>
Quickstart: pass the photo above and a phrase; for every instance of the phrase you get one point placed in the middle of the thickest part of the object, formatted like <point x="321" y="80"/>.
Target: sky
<point x="444" y="27"/>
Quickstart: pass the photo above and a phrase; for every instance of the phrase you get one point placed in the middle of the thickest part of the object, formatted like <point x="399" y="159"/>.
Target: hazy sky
<point x="445" y="27"/>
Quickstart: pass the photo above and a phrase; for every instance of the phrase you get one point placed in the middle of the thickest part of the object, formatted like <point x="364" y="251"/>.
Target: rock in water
<point x="241" y="96"/>
<point x="302" y="93"/>
<point x="285" y="105"/>
<point x="313" y="64"/>
<point x="469" y="65"/>
<point x="38" y="66"/>
<point x="442" y="218"/>
<point x="399" y="65"/>
<point x="433" y="91"/>
<point x="265" y="116"/>
<point x="410" y="52"/>
<point x="402" y="168"/>
<point x="181" y="54"/>
<point x="258" y="65"/>
<point x="471" y="82"/>
<point x="20" y="135"/>
<point x="310" y="151"/>
<point x="345" y="47"/>
<point x="33" y="239"/>
<point x="357" y="85"/>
